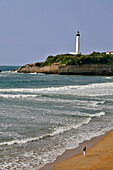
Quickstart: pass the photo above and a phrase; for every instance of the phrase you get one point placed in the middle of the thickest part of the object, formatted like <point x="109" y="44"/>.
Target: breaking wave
<point x="50" y="89"/>
<point x="17" y="96"/>
<point x="55" y="132"/>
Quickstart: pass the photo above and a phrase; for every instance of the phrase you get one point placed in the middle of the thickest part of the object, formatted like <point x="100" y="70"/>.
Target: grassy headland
<point x="92" y="64"/>
<point x="69" y="59"/>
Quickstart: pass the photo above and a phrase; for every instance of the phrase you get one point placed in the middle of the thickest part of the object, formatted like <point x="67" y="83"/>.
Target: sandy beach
<point x="74" y="159"/>
<point x="99" y="156"/>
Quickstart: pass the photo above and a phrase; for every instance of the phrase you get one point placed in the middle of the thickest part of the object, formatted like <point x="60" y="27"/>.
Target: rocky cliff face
<point x="55" y="68"/>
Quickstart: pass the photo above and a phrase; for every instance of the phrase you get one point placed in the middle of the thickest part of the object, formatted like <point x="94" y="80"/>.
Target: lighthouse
<point x="78" y="43"/>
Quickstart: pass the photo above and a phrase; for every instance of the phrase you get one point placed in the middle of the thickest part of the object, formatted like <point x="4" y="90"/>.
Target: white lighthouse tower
<point x="78" y="43"/>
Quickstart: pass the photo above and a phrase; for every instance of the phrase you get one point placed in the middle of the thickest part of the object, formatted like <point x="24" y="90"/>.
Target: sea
<point x="41" y="116"/>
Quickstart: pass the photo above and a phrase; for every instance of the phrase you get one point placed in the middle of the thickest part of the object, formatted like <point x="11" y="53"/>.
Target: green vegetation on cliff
<point x="69" y="59"/>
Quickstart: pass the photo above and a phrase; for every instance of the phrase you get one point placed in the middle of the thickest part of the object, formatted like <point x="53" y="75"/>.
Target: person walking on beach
<point x="84" y="151"/>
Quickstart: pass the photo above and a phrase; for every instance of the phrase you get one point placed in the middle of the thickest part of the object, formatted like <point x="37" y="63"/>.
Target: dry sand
<point x="99" y="157"/>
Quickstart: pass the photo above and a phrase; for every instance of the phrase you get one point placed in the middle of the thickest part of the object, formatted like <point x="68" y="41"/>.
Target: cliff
<point x="56" y="68"/>
<point x="93" y="64"/>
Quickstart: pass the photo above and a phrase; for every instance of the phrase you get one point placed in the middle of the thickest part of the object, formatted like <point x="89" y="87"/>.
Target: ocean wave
<point x="91" y="90"/>
<point x="81" y="114"/>
<point x="94" y="85"/>
<point x="55" y="132"/>
<point x="17" y="96"/>
<point x="32" y="73"/>
<point x="5" y="72"/>
<point x="99" y="114"/>
<point x="13" y="72"/>
<point x="32" y="90"/>
<point x="108" y="77"/>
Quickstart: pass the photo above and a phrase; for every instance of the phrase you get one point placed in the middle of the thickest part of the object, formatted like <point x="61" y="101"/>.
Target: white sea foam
<point x="99" y="114"/>
<point x="5" y="72"/>
<point x="33" y="73"/>
<point x="55" y="132"/>
<point x="86" y="103"/>
<point x="65" y="88"/>
<point x="96" y="114"/>
<point x="17" y="96"/>
<point x="69" y="127"/>
<point x="108" y="77"/>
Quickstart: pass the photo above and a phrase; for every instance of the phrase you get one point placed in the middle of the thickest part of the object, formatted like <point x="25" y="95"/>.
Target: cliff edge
<point x="84" y="69"/>
<point x="93" y="64"/>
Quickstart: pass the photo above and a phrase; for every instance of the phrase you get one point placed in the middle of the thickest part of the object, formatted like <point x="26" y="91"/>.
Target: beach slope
<point x="100" y="157"/>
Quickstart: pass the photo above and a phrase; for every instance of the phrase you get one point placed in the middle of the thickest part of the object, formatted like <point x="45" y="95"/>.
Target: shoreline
<point x="63" y="69"/>
<point x="99" y="156"/>
<point x="70" y="153"/>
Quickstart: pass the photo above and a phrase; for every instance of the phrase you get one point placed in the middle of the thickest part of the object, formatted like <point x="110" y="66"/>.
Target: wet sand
<point x="99" y="157"/>
<point x="72" y="158"/>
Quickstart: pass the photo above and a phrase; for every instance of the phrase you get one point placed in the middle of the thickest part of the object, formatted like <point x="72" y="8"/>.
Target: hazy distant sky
<point x="30" y="30"/>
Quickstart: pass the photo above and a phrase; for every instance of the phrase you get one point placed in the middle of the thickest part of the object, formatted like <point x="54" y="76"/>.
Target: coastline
<point x="81" y="69"/>
<point x="99" y="156"/>
<point x="71" y="153"/>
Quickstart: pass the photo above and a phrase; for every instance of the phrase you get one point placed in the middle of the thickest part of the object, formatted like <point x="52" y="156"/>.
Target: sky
<point x="31" y="30"/>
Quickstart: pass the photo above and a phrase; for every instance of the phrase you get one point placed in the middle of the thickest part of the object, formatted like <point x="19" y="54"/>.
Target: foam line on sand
<point x="99" y="155"/>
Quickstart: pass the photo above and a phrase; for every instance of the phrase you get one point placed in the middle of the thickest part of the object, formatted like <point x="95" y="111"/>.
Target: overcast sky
<point x="30" y="30"/>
